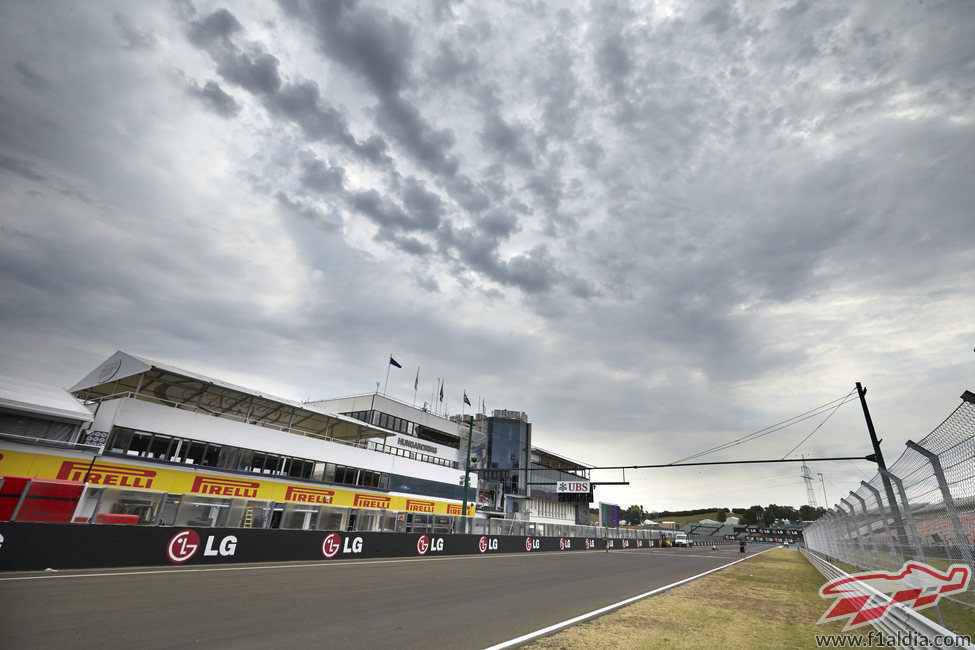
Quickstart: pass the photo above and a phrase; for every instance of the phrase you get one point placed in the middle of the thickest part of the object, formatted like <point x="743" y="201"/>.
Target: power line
<point x="771" y="428"/>
<point x="817" y="426"/>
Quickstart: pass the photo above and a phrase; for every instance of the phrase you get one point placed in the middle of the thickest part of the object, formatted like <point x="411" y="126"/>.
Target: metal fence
<point x="921" y="508"/>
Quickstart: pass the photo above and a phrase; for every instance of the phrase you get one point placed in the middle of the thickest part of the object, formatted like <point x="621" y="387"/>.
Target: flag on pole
<point x="416" y="382"/>
<point x="393" y="362"/>
<point x="441" y="391"/>
<point x="466" y="401"/>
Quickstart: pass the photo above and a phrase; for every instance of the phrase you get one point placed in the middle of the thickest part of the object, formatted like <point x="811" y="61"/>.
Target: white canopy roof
<point x="40" y="399"/>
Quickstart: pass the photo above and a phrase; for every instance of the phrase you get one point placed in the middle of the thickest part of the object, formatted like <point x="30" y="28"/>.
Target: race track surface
<point x="455" y="602"/>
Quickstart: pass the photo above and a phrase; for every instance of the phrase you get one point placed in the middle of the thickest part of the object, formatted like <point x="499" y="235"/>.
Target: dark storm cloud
<point x="389" y="216"/>
<point x="328" y="181"/>
<point x="427" y="207"/>
<point x="213" y="97"/>
<point x="219" y="25"/>
<point x="257" y="71"/>
<point x="378" y="48"/>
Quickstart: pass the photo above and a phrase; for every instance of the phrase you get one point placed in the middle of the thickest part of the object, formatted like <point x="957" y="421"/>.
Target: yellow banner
<point x="123" y="474"/>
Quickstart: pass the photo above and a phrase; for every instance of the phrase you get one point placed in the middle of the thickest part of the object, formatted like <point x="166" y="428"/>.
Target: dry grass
<point x="769" y="601"/>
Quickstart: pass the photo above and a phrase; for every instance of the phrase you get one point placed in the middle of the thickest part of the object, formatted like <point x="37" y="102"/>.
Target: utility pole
<point x="878" y="457"/>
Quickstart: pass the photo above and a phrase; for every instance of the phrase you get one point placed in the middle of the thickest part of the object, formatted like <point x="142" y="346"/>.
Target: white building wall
<point x="146" y="416"/>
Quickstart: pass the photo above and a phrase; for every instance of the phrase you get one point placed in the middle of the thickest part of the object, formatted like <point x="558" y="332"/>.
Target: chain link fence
<point x="921" y="508"/>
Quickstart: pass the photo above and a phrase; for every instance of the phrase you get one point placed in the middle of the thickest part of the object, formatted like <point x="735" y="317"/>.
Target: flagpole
<point x="389" y="362"/>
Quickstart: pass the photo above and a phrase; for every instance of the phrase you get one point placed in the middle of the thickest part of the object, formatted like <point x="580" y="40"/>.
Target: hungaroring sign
<point x="573" y="487"/>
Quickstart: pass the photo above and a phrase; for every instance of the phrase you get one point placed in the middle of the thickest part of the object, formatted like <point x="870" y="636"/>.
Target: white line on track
<point x="578" y="619"/>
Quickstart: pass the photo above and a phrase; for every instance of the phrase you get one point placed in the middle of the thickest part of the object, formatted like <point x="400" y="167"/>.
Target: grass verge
<point x="769" y="601"/>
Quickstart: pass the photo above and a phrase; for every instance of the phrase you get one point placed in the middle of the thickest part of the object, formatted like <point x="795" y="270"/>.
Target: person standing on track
<point x="741" y="547"/>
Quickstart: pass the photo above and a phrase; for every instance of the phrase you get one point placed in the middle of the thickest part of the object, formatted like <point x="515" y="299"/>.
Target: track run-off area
<point x="453" y="601"/>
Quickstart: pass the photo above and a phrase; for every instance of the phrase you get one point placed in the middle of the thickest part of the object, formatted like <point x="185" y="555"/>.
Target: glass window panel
<point x="159" y="447"/>
<point x="197" y="510"/>
<point x="300" y="516"/>
<point x="333" y="518"/>
<point x="211" y="455"/>
<point x="194" y="453"/>
<point x="244" y="460"/>
<point x="318" y="471"/>
<point x="228" y="456"/>
<point x="140" y="444"/>
<point x="120" y="440"/>
<point x="369" y="519"/>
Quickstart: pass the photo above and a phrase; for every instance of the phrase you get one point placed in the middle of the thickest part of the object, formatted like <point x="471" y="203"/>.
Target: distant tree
<point x="633" y="514"/>
<point x="722" y="516"/>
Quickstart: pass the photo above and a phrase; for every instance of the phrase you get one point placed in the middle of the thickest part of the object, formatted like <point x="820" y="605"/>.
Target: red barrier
<point x="48" y="500"/>
<point x="11" y="489"/>
<point x="107" y="518"/>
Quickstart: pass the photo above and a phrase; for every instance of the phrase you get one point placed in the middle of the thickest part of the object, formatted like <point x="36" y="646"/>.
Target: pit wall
<point x="42" y="546"/>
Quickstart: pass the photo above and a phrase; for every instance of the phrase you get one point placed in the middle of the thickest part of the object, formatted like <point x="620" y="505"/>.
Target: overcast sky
<point x="654" y="227"/>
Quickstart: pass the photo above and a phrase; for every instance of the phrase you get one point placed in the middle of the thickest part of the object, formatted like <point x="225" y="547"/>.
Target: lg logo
<point x="332" y="544"/>
<point x="485" y="544"/>
<point x="425" y="544"/>
<point x="185" y="543"/>
<point x="183" y="546"/>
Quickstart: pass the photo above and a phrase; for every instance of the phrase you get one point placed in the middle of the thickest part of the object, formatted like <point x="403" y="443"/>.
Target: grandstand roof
<point x="41" y="399"/>
<point x="126" y="375"/>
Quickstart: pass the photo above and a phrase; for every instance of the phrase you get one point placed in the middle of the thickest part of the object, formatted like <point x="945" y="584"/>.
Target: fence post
<point x="915" y="538"/>
<point x="883" y="517"/>
<point x="964" y="545"/>
<point x="851" y="517"/>
<point x="867" y="537"/>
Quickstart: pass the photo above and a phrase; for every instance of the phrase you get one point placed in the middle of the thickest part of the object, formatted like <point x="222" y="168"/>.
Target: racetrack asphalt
<point x="453" y="601"/>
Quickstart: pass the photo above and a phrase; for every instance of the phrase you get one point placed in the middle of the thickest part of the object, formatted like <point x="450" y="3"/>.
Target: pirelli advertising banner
<point x="39" y="546"/>
<point x="118" y="473"/>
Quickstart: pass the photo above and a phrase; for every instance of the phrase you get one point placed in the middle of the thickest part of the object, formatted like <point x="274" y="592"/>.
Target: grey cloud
<point x="256" y="72"/>
<point x="213" y="97"/>
<point x="135" y="38"/>
<point x="31" y="77"/>
<point x="20" y="167"/>
<point x="425" y="206"/>
<point x="220" y="24"/>
<point x="388" y="215"/>
<point x="506" y="140"/>
<point x="533" y="272"/>
<point x="328" y="181"/>
<point x="498" y="224"/>
<point x="429" y="146"/>
<point x="449" y="66"/>
<point x="366" y="40"/>
<point x="313" y="215"/>
<point x="410" y="245"/>
<point x="471" y="197"/>
<point x="378" y="48"/>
